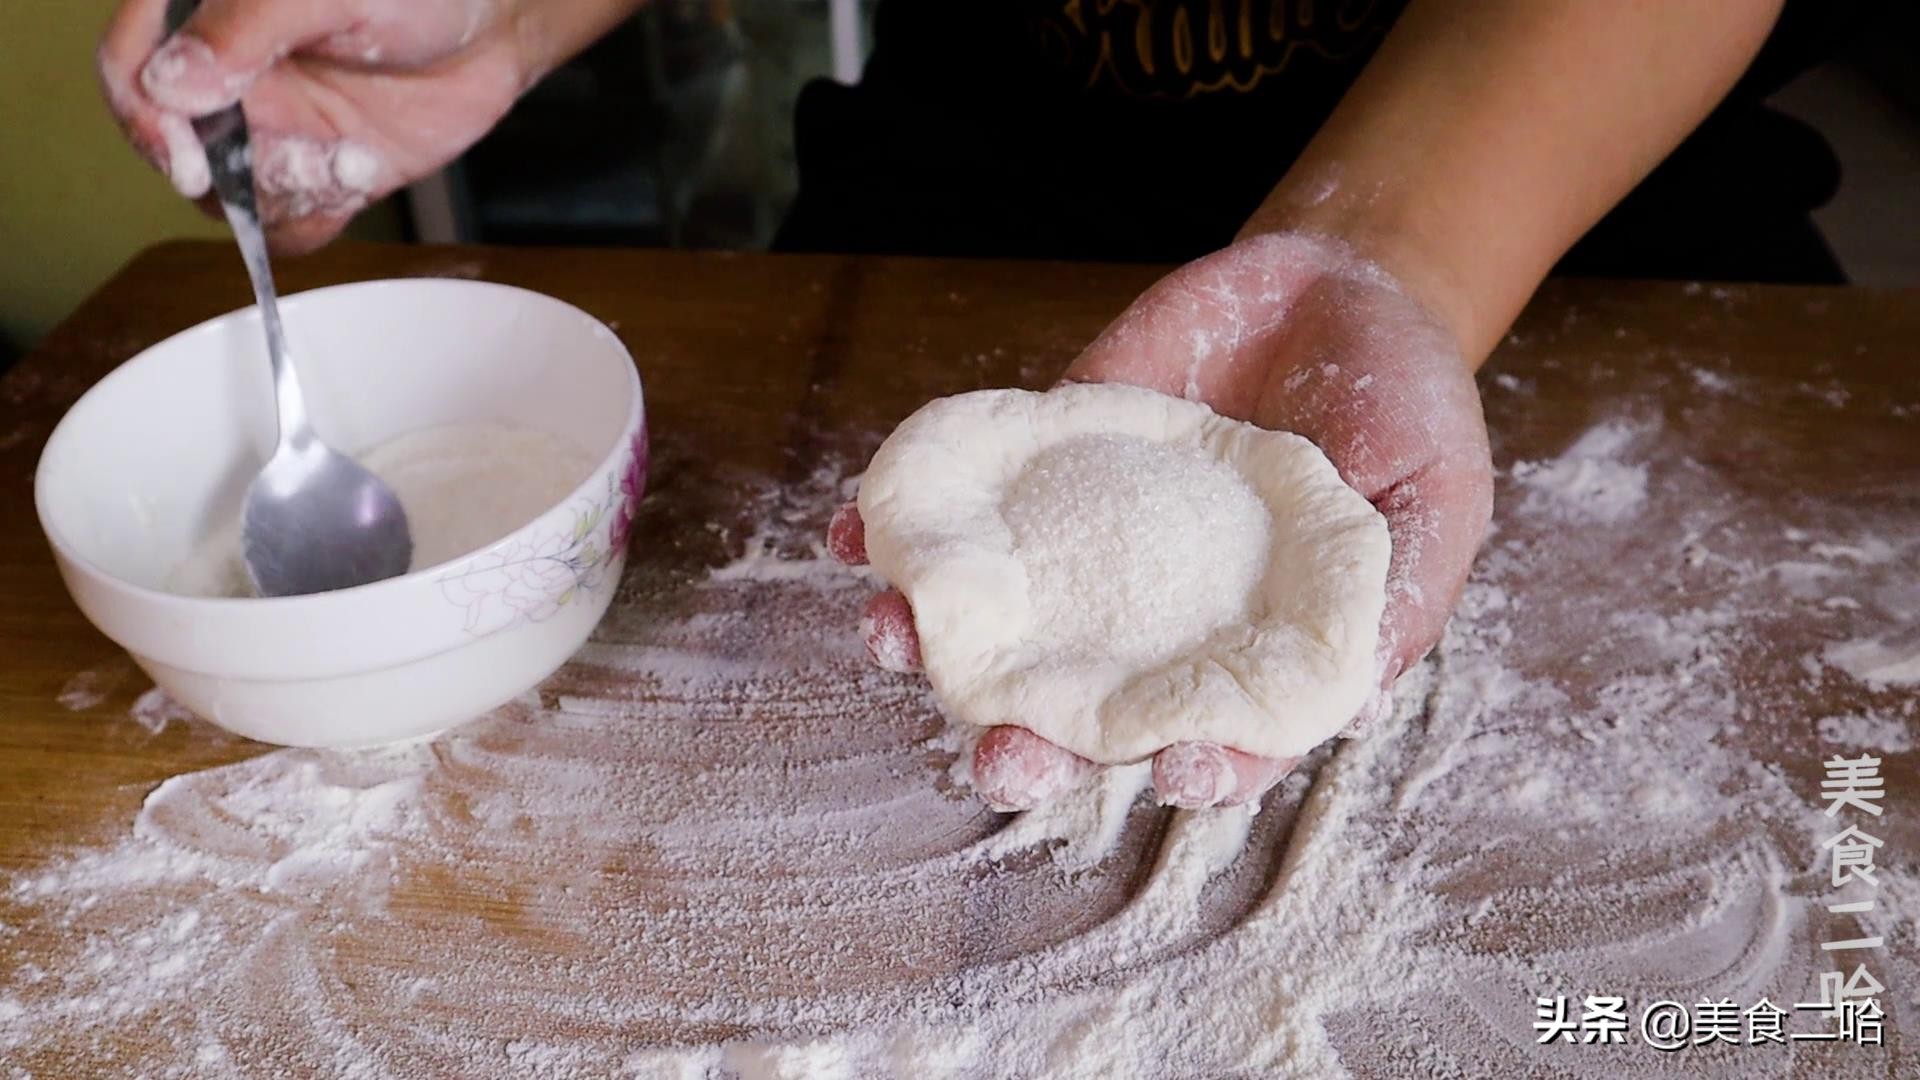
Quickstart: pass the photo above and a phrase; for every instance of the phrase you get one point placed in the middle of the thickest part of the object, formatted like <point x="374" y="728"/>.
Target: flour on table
<point x="720" y="843"/>
<point x="1888" y="732"/>
<point x="1880" y="661"/>
<point x="155" y="710"/>
<point x="462" y="486"/>
<point x="1591" y="480"/>
<point x="88" y="689"/>
<point x="1121" y="570"/>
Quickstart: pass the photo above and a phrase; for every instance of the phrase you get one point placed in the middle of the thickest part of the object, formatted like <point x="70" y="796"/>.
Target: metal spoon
<point x="314" y="520"/>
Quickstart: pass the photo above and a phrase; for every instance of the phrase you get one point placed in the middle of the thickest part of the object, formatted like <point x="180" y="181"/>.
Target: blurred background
<point x="675" y="130"/>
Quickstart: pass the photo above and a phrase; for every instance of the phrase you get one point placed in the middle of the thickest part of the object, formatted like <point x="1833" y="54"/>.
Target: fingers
<point x="1437" y="518"/>
<point x="887" y="623"/>
<point x="887" y="628"/>
<point x="306" y="181"/>
<point x="1014" y="769"/>
<point x="209" y="64"/>
<point x="153" y="84"/>
<point x="131" y="34"/>
<point x="307" y="190"/>
<point x="1197" y="775"/>
<point x="164" y="138"/>
<point x="847" y="535"/>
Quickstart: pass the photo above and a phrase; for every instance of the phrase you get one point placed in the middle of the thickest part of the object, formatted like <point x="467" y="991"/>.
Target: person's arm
<point x="1485" y="138"/>
<point x="1481" y="141"/>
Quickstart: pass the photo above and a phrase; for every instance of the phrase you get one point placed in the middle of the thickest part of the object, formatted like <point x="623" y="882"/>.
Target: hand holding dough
<point x="1118" y="571"/>
<point x="1289" y="333"/>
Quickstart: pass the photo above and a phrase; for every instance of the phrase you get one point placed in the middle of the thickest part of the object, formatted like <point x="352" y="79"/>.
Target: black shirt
<point x="1150" y="129"/>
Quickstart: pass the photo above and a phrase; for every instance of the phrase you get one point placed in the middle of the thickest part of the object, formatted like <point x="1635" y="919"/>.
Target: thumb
<point x="211" y="61"/>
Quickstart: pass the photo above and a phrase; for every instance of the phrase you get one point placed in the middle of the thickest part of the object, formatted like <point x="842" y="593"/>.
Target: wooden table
<point x="772" y="366"/>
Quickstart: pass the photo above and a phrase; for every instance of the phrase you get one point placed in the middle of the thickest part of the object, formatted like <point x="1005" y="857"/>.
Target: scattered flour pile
<point x="1591" y="481"/>
<point x="721" y="844"/>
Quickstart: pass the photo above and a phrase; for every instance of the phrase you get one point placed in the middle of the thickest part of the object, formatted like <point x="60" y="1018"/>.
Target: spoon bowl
<point x="315" y="521"/>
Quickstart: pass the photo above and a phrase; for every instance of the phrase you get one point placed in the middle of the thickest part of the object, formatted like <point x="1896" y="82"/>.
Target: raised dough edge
<point x="930" y="502"/>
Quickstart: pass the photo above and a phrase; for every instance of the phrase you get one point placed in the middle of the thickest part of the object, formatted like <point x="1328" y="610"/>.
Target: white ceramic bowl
<point x="153" y="459"/>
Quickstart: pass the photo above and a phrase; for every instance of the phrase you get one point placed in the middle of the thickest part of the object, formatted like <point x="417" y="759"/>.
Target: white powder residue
<point x="214" y="567"/>
<point x="355" y="167"/>
<point x="823" y="1060"/>
<point x="155" y="709"/>
<point x="90" y="689"/>
<point x="1591" y="481"/>
<point x="298" y="176"/>
<point x="1878" y="661"/>
<point x="720" y="843"/>
<point x="1868" y="551"/>
<point x="463" y="487"/>
<point x="761" y="561"/>
<point x="1868" y="731"/>
<point x="1712" y="381"/>
<point x="1321" y="186"/>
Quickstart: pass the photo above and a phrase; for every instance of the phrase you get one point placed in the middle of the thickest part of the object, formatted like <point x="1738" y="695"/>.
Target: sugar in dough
<point x="1119" y="570"/>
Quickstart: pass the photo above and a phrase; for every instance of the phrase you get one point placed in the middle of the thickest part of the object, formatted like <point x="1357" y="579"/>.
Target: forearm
<point x="547" y="33"/>
<point x="1485" y="138"/>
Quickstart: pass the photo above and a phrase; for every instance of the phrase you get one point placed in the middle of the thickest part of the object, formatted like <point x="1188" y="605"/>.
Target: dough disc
<point x="1119" y="570"/>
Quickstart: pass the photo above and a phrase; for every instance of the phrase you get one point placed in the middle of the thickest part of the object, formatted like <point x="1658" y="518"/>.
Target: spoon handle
<point x="230" y="160"/>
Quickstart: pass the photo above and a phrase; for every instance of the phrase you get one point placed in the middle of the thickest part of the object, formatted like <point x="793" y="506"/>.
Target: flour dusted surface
<point x="720" y="844"/>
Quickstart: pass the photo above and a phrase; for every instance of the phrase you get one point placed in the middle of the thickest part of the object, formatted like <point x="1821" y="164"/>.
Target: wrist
<point x="1374" y="225"/>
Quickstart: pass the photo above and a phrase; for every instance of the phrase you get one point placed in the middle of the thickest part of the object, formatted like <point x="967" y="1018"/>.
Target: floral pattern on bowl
<point x="633" y="485"/>
<point x="532" y="578"/>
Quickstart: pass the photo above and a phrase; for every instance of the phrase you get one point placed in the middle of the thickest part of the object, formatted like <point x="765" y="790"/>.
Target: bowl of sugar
<point x="512" y="427"/>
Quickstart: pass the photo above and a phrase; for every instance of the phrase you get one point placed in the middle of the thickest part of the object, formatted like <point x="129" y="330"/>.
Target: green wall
<point x="75" y="201"/>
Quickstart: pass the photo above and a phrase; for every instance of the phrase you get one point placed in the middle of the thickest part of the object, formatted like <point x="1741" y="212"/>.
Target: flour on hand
<point x="1119" y="570"/>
